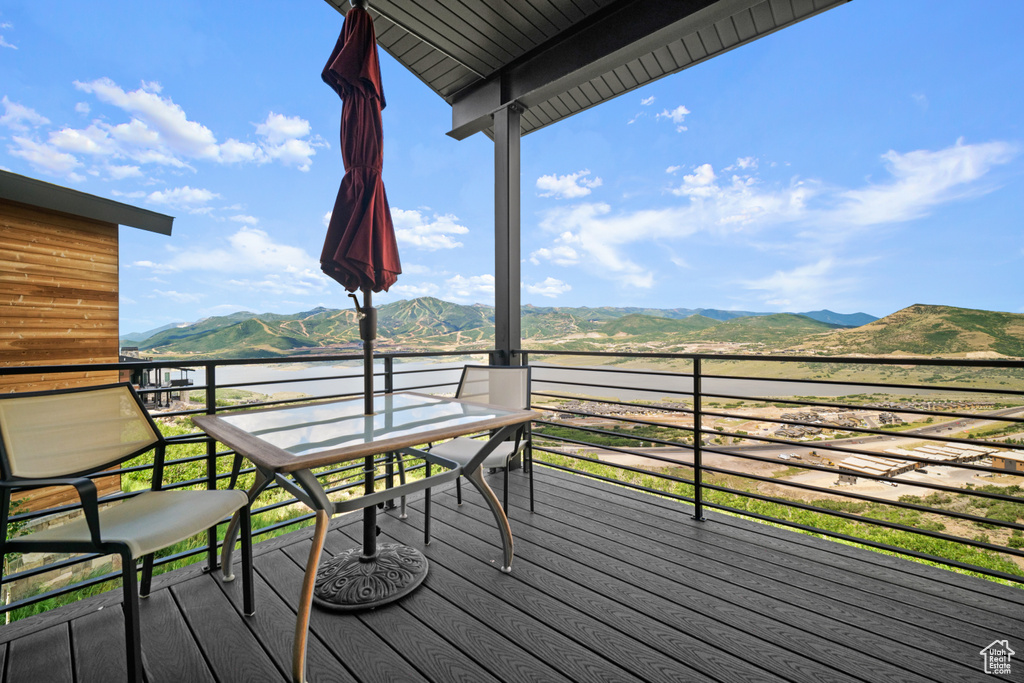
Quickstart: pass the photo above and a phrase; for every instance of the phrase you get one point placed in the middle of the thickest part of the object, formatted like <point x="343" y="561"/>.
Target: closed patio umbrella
<point x="361" y="253"/>
<point x="360" y="250"/>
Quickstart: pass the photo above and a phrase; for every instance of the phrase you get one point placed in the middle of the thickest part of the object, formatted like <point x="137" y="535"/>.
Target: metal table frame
<point x="294" y="473"/>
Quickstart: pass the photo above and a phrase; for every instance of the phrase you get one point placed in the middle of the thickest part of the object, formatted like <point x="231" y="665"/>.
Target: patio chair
<point x="508" y="387"/>
<point x="60" y="438"/>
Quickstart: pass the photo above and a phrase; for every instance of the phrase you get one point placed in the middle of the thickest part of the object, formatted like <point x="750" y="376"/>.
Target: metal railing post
<point x="211" y="463"/>
<point x="698" y="433"/>
<point x="389" y="388"/>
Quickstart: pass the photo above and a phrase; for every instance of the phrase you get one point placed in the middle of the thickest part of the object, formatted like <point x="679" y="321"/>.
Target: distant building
<point x="1012" y="461"/>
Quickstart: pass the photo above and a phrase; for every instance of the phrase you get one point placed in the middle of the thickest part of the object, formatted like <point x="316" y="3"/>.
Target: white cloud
<point x="647" y="101"/>
<point x="560" y="255"/>
<point x="550" y="287"/>
<point x="44" y="157"/>
<point x="568" y="186"/>
<point x="921" y="180"/>
<point x="463" y="289"/>
<point x="19" y="118"/>
<point x="189" y="198"/>
<point x="177" y="297"/>
<point x="414" y="291"/>
<point x="602" y="240"/>
<point x="283" y="139"/>
<point x="160" y="116"/>
<point x="4" y="43"/>
<point x="327" y="217"/>
<point x="158" y="131"/>
<point x="672" y="170"/>
<point x="808" y="286"/>
<point x="676" y="116"/>
<point x="248" y="220"/>
<point x="121" y="172"/>
<point x="414" y="229"/>
<point x="257" y="261"/>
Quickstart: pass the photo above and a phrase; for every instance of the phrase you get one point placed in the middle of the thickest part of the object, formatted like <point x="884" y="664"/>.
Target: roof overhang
<point x="555" y="58"/>
<point x="19" y="188"/>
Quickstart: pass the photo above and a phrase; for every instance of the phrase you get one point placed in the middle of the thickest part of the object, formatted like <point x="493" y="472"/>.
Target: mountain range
<point x="429" y="324"/>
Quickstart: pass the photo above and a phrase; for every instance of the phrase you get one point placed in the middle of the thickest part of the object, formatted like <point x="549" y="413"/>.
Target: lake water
<point x="444" y="377"/>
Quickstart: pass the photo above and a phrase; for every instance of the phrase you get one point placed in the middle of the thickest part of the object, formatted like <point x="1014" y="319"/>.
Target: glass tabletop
<point x="338" y="425"/>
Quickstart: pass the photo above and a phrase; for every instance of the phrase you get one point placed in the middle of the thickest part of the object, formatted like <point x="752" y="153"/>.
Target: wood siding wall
<point x="58" y="296"/>
<point x="58" y="305"/>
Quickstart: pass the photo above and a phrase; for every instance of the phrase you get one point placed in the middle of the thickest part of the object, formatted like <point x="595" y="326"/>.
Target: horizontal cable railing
<point x="686" y="433"/>
<point x="675" y="432"/>
<point x="212" y="467"/>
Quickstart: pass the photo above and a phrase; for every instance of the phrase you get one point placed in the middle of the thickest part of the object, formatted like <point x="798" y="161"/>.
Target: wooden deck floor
<point x="608" y="585"/>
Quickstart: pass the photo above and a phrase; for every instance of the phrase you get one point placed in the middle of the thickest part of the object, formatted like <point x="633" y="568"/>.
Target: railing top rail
<point x="855" y="360"/>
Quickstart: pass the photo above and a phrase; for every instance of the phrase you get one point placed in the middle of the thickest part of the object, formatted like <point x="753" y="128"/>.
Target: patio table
<point x="286" y="444"/>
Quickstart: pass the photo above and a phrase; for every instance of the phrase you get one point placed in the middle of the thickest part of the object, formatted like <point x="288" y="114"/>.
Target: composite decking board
<point x="230" y="648"/>
<point x="621" y="651"/>
<point x="560" y="621"/>
<point x="366" y="656"/>
<point x="768" y="576"/>
<point x="956" y="591"/>
<point x="795" y="656"/>
<point x="98" y="653"/>
<point x="495" y="648"/>
<point x="436" y="657"/>
<point x="645" y="645"/>
<point x="48" y="650"/>
<point x="535" y="636"/>
<point x="169" y="651"/>
<point x="952" y="586"/>
<point x="273" y="624"/>
<point x="762" y="618"/>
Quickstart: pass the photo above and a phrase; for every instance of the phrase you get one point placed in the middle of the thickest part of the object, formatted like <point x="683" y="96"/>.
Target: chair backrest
<point x="76" y="431"/>
<point x="508" y="387"/>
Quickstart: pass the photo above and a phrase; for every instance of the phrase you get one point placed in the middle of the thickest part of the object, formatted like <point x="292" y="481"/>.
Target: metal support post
<point x="507" y="325"/>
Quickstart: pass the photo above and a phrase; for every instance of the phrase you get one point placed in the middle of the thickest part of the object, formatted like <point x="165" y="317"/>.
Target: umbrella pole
<point x="368" y="332"/>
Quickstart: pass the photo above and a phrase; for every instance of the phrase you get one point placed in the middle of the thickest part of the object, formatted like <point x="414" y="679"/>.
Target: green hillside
<point x="934" y="330"/>
<point x="430" y="324"/>
<point x="651" y="327"/>
<point x="779" y="330"/>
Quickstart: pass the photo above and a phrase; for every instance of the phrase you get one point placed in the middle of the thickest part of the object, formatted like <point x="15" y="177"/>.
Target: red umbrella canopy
<point x="360" y="250"/>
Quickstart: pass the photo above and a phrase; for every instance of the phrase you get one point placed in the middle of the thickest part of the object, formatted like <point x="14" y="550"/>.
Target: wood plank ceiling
<point x="556" y="58"/>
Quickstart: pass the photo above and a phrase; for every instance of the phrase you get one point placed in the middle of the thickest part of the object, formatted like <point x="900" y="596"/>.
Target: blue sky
<point x="864" y="160"/>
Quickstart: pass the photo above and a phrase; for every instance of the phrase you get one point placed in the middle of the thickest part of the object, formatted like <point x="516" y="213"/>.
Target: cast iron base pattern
<point x="348" y="582"/>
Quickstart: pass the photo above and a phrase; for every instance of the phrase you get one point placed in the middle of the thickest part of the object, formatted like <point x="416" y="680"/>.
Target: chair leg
<point x="504" y="502"/>
<point x="458" y="490"/>
<point x="529" y="452"/>
<point x="147" y="575"/>
<point x="401" y="480"/>
<point x="132" y="629"/>
<point x="248" y="594"/>
<point x="426" y="513"/>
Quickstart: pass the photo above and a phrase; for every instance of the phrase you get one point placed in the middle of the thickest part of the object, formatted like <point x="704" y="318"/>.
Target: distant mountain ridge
<point x="430" y="324"/>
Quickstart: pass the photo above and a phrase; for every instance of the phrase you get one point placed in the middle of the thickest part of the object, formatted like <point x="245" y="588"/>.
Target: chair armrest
<point x="86" y="493"/>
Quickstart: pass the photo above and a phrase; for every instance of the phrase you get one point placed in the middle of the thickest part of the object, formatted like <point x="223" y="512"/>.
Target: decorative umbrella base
<point x="349" y="582"/>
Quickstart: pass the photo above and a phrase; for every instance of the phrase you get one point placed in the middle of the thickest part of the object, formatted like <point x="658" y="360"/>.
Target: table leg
<point x="306" y="598"/>
<point x="231" y="535"/>
<point x="476" y="477"/>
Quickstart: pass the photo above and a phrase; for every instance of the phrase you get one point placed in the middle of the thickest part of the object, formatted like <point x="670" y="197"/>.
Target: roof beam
<point x="622" y="32"/>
